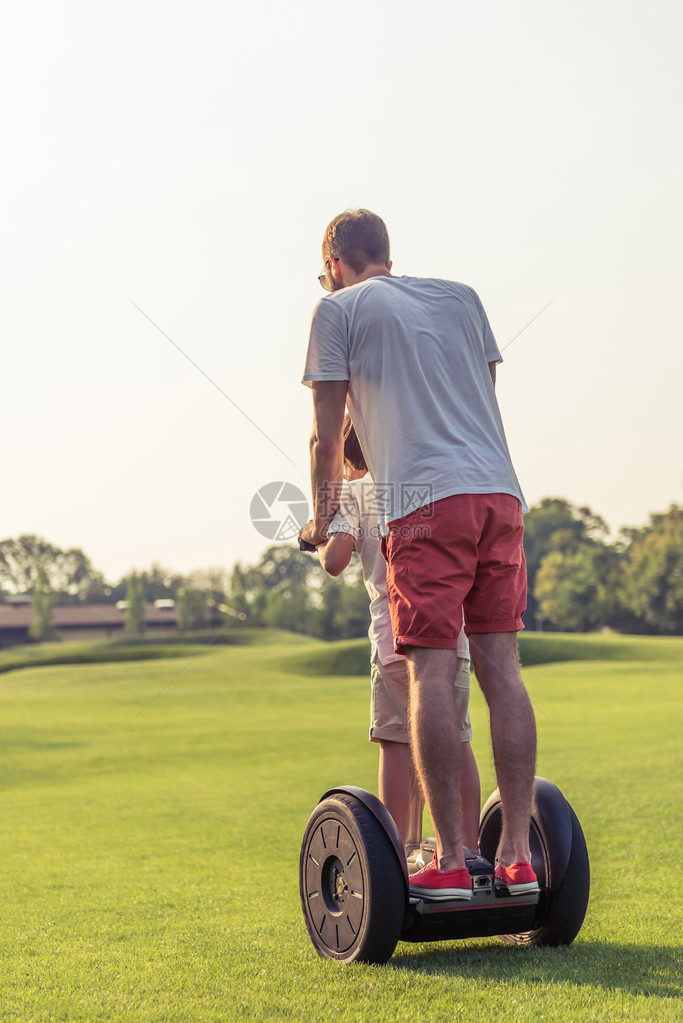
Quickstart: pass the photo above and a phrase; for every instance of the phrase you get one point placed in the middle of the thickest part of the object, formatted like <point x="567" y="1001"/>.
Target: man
<point x="415" y="361"/>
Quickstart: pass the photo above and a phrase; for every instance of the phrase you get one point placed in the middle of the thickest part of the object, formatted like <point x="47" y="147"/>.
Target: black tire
<point x="351" y="885"/>
<point x="564" y="898"/>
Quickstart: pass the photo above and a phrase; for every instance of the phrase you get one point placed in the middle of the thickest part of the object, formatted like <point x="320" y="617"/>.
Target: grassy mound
<point x="302" y="655"/>
<point x="554" y="647"/>
<point x="352" y="657"/>
<point x="346" y="657"/>
<point x="144" y="648"/>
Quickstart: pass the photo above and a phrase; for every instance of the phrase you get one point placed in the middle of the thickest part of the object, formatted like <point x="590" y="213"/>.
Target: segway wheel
<point x="560" y="860"/>
<point x="351" y="885"/>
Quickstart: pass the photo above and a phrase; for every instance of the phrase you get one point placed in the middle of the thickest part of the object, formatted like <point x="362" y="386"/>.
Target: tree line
<point x="579" y="581"/>
<point x="33" y="568"/>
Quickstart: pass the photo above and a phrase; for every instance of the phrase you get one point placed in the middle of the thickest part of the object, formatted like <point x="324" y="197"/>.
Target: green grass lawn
<point x="152" y="812"/>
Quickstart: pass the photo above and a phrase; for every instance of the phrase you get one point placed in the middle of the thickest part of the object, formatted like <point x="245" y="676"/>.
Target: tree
<point x="192" y="608"/>
<point x="653" y="574"/>
<point x="213" y="585"/>
<point x="158" y="583"/>
<point x="345" y="604"/>
<point x="135" y="606"/>
<point x="290" y="610"/>
<point x="329" y="622"/>
<point x="69" y="572"/>
<point x="290" y="590"/>
<point x="283" y="586"/>
<point x="555" y="525"/>
<point x="576" y="591"/>
<point x="243" y="593"/>
<point x="42" y="627"/>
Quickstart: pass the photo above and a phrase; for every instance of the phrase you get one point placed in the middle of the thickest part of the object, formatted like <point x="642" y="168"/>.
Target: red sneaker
<point x="431" y="884"/>
<point x="519" y="879"/>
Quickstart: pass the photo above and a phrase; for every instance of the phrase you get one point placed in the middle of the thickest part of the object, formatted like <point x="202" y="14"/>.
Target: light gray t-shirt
<point x="416" y="352"/>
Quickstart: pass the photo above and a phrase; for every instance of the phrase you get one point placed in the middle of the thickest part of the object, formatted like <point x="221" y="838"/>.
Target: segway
<point x="353" y="879"/>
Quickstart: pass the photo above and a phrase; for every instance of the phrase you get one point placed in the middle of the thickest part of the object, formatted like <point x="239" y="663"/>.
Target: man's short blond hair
<point x="359" y="237"/>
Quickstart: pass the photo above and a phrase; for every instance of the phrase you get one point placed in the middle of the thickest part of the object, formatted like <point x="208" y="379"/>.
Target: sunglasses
<point x="322" y="277"/>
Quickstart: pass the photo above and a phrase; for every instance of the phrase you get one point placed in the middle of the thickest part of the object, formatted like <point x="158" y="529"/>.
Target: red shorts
<point x="463" y="552"/>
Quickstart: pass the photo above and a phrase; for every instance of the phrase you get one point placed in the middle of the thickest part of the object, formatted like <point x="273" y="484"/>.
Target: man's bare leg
<point x="394" y="781"/>
<point x="436" y="746"/>
<point x="513" y="736"/>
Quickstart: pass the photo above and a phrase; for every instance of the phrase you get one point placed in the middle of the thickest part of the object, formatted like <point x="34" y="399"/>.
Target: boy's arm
<point x="336" y="553"/>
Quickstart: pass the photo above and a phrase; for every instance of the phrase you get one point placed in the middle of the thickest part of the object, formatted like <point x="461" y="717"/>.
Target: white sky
<point x="188" y="156"/>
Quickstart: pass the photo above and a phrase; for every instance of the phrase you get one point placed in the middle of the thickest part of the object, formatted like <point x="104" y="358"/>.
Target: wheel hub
<point x="334" y="883"/>
<point x="340" y="887"/>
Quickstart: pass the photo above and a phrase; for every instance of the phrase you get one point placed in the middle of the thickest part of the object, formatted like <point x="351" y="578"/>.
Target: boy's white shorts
<point x="389" y="700"/>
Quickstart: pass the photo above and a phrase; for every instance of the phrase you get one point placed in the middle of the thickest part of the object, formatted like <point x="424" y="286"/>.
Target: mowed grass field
<point x="152" y="813"/>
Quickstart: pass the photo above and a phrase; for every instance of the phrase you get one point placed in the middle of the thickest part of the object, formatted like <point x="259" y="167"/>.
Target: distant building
<point x="83" y="621"/>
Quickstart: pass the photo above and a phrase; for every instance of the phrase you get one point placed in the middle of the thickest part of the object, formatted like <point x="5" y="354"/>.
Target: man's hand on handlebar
<point x="310" y="538"/>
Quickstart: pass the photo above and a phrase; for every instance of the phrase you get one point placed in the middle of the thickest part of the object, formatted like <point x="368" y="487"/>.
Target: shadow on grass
<point x="635" y="969"/>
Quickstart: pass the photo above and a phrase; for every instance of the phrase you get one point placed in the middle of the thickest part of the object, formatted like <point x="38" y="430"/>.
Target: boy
<point x="355" y="526"/>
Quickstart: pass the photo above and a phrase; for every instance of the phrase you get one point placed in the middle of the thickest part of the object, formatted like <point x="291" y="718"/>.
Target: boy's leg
<point x="415" y="813"/>
<point x="389" y="728"/>
<point x="470" y="797"/>
<point x="470" y="789"/>
<point x="470" y="786"/>
<point x="394" y="781"/>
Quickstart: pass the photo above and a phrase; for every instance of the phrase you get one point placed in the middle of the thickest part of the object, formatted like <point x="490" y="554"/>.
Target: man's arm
<point x="492" y="371"/>
<point x="327" y="456"/>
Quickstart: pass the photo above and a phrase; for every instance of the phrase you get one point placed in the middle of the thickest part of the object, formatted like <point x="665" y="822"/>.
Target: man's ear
<point x="335" y="269"/>
<point x="389" y="266"/>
